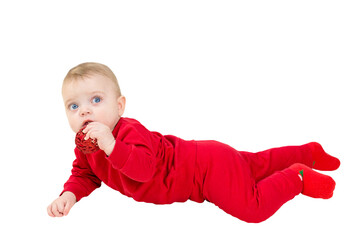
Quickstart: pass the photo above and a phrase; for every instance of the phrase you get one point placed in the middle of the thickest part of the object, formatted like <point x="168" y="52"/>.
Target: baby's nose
<point x="85" y="111"/>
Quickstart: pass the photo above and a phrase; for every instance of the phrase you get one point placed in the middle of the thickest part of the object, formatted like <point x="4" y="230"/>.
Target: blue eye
<point x="74" y="106"/>
<point x="96" y="100"/>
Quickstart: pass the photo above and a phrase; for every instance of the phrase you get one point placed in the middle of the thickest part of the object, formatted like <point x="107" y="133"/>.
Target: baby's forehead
<point x="93" y="81"/>
<point x="87" y="86"/>
<point x="93" y="77"/>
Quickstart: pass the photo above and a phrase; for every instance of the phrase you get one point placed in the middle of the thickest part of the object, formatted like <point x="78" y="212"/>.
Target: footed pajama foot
<point x="315" y="184"/>
<point x="322" y="160"/>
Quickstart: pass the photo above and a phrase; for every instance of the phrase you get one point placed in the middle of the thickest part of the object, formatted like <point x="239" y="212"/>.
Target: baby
<point x="163" y="169"/>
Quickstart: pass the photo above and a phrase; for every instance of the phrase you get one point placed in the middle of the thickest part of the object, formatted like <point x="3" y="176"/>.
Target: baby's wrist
<point x="110" y="148"/>
<point x="68" y="194"/>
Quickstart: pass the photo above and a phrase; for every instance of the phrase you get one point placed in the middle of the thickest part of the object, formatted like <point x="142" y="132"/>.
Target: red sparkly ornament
<point x="86" y="146"/>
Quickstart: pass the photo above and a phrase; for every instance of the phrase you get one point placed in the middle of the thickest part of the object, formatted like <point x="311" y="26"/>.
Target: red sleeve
<point x="134" y="153"/>
<point x="82" y="180"/>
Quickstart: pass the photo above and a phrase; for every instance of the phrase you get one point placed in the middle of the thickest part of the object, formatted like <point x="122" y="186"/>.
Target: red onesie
<point x="150" y="167"/>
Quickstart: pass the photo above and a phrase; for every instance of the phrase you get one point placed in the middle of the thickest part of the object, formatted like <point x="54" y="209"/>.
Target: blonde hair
<point x="88" y="69"/>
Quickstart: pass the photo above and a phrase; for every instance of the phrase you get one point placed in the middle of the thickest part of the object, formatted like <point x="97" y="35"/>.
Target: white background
<point x="252" y="74"/>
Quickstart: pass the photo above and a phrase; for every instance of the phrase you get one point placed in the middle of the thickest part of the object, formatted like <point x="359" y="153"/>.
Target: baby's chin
<point x="77" y="128"/>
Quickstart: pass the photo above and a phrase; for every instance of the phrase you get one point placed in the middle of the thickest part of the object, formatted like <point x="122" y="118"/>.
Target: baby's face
<point x="92" y="99"/>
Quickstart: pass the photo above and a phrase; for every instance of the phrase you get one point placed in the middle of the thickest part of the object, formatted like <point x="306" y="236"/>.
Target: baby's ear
<point x="121" y="105"/>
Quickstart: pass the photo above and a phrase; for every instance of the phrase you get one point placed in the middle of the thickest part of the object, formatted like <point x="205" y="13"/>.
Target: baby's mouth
<point x="86" y="123"/>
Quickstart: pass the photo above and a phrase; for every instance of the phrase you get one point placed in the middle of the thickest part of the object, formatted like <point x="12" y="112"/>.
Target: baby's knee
<point x="254" y="217"/>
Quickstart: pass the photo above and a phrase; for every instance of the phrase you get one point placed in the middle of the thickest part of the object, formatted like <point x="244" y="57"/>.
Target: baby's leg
<point x="265" y="163"/>
<point x="229" y="184"/>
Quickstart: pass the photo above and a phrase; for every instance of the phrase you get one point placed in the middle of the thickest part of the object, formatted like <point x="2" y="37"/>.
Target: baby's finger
<point x="50" y="212"/>
<point x="55" y="211"/>
<point x="86" y="129"/>
<point x="67" y="208"/>
<point x="89" y="132"/>
<point x="88" y="135"/>
<point x="89" y="127"/>
<point x="61" y="207"/>
<point x="93" y="134"/>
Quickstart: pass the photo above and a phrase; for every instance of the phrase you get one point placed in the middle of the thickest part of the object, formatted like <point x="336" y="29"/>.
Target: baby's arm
<point x="80" y="184"/>
<point x="134" y="152"/>
<point x="61" y="206"/>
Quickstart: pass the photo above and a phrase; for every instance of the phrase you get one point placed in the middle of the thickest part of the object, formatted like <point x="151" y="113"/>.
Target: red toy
<point x="85" y="146"/>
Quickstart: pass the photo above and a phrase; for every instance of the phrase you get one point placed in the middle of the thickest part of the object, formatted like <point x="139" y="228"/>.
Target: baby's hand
<point x="62" y="205"/>
<point x="102" y="134"/>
